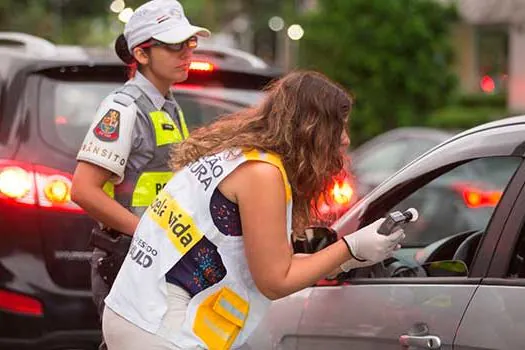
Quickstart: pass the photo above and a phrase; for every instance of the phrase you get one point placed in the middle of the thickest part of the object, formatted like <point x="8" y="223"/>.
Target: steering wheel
<point x="464" y="251"/>
<point x="443" y="249"/>
<point x="399" y="268"/>
<point x="389" y="268"/>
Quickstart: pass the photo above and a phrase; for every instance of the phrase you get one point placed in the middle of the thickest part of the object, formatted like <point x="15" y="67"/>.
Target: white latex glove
<point x="366" y="245"/>
<point x="355" y="264"/>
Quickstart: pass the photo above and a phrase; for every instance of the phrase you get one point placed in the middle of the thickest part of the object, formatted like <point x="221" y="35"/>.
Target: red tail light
<point x="202" y="66"/>
<point x="476" y="198"/>
<point x="339" y="198"/>
<point x="20" y="304"/>
<point x="36" y="185"/>
<point x="17" y="184"/>
<point x="342" y="192"/>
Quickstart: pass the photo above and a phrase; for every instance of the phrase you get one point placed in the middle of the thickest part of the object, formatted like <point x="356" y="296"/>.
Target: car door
<point x="495" y="318"/>
<point x="375" y="309"/>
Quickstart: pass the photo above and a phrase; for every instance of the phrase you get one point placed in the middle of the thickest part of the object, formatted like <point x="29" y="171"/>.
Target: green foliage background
<point x="394" y="56"/>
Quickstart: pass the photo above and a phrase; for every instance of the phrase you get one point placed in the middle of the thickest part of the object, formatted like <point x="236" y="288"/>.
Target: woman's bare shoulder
<point x="258" y="172"/>
<point x="250" y="176"/>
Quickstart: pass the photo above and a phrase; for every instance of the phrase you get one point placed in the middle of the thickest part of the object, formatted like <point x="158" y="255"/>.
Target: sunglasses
<point x="191" y="43"/>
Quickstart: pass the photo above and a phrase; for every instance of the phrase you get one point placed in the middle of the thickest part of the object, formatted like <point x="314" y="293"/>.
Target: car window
<point x="455" y="209"/>
<point x="462" y="199"/>
<point x="200" y="110"/>
<point x="75" y="103"/>
<point x="381" y="158"/>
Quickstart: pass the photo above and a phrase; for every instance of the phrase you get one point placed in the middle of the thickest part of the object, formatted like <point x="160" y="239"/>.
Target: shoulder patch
<point x="108" y="127"/>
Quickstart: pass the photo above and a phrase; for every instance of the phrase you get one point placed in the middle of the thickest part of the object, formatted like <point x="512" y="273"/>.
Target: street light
<point x="295" y="32"/>
<point x="125" y="15"/>
<point x="276" y="23"/>
<point x="287" y="41"/>
<point x="117" y="6"/>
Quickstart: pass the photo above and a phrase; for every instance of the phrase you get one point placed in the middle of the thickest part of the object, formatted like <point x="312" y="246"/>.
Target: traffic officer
<point x="122" y="163"/>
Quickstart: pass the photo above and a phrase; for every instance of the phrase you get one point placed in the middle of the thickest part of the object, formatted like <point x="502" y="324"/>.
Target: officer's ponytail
<point x="121" y="48"/>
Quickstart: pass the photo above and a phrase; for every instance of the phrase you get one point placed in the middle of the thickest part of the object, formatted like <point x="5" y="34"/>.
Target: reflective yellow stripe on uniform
<point x="185" y="132"/>
<point x="150" y="183"/>
<point x="166" y="131"/>
<point x="148" y="186"/>
<point x="109" y="188"/>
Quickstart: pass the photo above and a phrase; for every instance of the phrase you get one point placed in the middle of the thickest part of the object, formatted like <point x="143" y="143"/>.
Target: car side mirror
<point x="446" y="268"/>
<point x="313" y="239"/>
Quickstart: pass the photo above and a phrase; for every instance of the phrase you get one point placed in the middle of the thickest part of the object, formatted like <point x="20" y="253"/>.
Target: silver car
<point x="460" y="289"/>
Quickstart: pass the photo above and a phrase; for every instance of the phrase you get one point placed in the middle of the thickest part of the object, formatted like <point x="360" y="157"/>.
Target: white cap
<point x="163" y="20"/>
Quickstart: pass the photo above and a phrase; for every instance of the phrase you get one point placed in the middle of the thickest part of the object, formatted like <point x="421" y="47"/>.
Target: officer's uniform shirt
<point x="118" y="139"/>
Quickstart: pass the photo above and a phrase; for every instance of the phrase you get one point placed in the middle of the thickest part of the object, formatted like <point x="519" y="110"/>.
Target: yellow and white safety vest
<point x="223" y="315"/>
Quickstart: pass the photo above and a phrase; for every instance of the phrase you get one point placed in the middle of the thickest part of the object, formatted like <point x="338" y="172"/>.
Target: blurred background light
<point x="295" y="32"/>
<point x="276" y="23"/>
<point x="487" y="84"/>
<point x="117" y="6"/>
<point x="125" y="15"/>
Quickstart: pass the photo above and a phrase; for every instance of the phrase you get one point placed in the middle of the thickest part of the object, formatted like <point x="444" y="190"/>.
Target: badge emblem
<point x="108" y="127"/>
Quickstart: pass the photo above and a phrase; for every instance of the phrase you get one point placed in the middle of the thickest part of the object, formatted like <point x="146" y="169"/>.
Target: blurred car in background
<point x="48" y="97"/>
<point x="379" y="158"/>
<point x="372" y="163"/>
<point x="376" y="160"/>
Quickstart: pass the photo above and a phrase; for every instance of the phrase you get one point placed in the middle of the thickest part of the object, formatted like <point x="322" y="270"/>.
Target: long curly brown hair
<point x="301" y="119"/>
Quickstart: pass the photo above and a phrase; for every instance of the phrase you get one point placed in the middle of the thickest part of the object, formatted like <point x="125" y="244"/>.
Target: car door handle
<point x="425" y="342"/>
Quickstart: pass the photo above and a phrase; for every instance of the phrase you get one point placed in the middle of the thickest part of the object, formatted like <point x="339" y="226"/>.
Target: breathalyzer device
<point x="396" y="220"/>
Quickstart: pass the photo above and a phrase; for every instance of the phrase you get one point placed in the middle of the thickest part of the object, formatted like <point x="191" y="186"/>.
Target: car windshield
<point x="75" y="104"/>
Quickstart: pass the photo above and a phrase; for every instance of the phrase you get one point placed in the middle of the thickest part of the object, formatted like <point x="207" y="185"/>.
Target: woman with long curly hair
<point x="213" y="249"/>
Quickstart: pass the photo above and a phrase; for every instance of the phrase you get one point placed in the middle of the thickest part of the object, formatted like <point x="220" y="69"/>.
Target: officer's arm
<point x="103" y="157"/>
<point x="87" y="192"/>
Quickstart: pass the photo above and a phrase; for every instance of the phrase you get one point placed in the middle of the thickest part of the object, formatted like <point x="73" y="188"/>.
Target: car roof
<point x="23" y="51"/>
<point x="503" y="122"/>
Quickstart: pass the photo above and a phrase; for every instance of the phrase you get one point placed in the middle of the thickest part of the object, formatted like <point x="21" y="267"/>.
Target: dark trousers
<point x="99" y="288"/>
